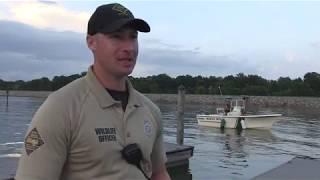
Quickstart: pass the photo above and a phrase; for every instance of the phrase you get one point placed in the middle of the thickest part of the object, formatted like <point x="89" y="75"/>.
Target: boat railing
<point x="220" y="111"/>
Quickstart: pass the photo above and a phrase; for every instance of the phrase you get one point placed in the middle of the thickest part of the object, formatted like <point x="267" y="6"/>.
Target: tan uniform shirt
<point x="79" y="131"/>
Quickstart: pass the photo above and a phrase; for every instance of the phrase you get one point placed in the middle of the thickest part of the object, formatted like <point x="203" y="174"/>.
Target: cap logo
<point x="122" y="11"/>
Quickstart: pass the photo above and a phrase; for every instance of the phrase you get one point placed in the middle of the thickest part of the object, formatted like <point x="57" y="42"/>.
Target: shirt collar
<point x="103" y="97"/>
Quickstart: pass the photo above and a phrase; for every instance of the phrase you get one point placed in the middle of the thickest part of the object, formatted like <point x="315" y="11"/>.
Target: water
<point x="218" y="154"/>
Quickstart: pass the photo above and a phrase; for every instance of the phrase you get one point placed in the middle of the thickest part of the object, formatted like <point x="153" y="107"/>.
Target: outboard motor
<point x="222" y="123"/>
<point x="241" y="124"/>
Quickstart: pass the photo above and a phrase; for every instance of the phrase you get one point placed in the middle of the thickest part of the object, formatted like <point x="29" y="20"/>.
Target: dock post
<point x="180" y="112"/>
<point x="7" y="95"/>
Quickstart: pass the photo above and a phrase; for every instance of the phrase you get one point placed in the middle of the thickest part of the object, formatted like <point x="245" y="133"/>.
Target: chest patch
<point x="106" y="134"/>
<point x="147" y="128"/>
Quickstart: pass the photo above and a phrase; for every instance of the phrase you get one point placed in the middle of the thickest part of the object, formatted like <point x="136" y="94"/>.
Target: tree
<point x="240" y="84"/>
<point x="2" y="84"/>
<point x="200" y="90"/>
<point x="187" y="81"/>
<point x="284" y="84"/>
<point x="165" y="83"/>
<point x="299" y="88"/>
<point x="256" y="90"/>
<point x="312" y="80"/>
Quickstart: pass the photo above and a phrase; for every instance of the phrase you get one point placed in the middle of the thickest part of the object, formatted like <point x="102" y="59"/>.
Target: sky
<point x="272" y="39"/>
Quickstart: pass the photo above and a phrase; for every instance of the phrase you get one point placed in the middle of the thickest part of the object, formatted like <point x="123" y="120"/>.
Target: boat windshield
<point x="239" y="103"/>
<point x="220" y="110"/>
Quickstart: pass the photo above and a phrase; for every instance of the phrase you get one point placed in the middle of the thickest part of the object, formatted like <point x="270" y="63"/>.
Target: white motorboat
<point x="233" y="116"/>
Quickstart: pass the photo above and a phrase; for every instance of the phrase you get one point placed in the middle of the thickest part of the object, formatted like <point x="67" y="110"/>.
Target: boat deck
<point x="178" y="155"/>
<point x="296" y="169"/>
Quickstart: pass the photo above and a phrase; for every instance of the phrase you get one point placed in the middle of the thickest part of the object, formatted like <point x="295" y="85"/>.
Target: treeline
<point x="239" y="84"/>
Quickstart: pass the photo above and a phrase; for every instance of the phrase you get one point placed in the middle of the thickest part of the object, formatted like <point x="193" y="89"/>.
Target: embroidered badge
<point x="33" y="141"/>
<point x="147" y="128"/>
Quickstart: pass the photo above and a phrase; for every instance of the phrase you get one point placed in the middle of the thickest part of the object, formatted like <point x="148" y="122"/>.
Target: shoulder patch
<point x="147" y="128"/>
<point x="33" y="141"/>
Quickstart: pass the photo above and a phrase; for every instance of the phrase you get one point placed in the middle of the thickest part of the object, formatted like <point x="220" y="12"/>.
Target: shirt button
<point x="128" y="134"/>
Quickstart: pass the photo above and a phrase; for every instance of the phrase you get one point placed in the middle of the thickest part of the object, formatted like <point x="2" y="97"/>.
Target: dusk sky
<point x="208" y="38"/>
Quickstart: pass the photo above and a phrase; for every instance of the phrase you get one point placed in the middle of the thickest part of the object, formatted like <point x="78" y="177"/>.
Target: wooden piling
<point x="180" y="112"/>
<point x="7" y="95"/>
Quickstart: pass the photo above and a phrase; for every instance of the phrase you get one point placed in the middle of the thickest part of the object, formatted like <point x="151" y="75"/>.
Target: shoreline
<point x="263" y="101"/>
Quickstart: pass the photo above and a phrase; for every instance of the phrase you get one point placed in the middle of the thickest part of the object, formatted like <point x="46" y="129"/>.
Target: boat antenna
<point x="220" y="90"/>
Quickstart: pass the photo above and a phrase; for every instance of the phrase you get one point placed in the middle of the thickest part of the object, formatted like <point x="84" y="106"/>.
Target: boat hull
<point x="249" y="121"/>
<point x="261" y="121"/>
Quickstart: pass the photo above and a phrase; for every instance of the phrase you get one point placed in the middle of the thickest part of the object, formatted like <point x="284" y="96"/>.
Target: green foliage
<point x="240" y="84"/>
<point x="200" y="90"/>
<point x="255" y="90"/>
<point x="312" y="81"/>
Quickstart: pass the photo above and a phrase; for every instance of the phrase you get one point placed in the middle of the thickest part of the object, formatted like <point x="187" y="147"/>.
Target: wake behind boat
<point x="233" y="116"/>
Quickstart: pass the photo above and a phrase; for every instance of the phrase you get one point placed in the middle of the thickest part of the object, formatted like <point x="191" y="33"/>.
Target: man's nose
<point x="129" y="45"/>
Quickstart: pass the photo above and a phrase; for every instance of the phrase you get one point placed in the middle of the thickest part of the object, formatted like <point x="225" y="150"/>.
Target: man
<point x="80" y="131"/>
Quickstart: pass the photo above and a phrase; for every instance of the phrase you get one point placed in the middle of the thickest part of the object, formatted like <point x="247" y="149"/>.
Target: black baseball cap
<point x="111" y="17"/>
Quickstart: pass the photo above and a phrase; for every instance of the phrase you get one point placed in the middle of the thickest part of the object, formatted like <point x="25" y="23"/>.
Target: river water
<point x="227" y="154"/>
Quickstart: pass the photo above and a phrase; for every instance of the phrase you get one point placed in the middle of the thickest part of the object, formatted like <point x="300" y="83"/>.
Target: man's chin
<point x="125" y="73"/>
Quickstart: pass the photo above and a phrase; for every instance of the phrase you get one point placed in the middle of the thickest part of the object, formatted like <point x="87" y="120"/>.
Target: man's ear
<point x="91" y="42"/>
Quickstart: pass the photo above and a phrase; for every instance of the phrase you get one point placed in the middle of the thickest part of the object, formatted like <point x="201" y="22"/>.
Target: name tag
<point x="106" y="134"/>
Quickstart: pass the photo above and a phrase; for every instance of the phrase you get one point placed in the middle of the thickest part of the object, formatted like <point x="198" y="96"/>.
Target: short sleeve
<point x="46" y="142"/>
<point x="158" y="155"/>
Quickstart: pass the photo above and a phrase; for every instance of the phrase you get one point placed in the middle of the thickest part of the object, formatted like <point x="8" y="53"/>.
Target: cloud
<point x="28" y="52"/>
<point x="176" y="62"/>
<point x="290" y="56"/>
<point x="16" y="66"/>
<point x="42" y="44"/>
<point x="315" y="45"/>
<point x="47" y="2"/>
<point x="47" y="15"/>
<point x="152" y="42"/>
